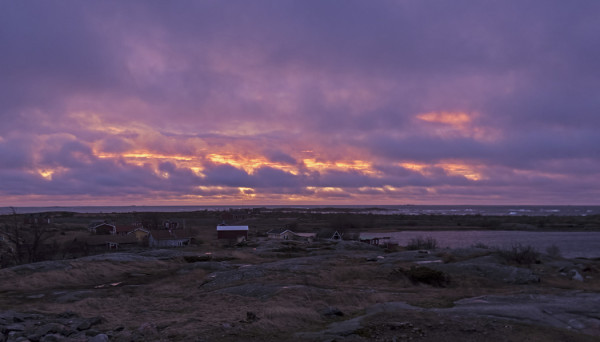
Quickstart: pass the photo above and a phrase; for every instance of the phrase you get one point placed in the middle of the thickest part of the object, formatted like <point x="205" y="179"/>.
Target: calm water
<point x="503" y="210"/>
<point x="571" y="244"/>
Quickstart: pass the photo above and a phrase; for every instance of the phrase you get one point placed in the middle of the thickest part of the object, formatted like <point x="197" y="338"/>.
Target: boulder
<point x="576" y="275"/>
<point x="99" y="338"/>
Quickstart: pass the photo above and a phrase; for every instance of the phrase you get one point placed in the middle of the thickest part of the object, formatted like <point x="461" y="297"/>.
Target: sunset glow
<point x="298" y="102"/>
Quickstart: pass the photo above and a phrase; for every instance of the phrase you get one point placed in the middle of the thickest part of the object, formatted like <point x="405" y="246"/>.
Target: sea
<point x="485" y="210"/>
<point x="570" y="244"/>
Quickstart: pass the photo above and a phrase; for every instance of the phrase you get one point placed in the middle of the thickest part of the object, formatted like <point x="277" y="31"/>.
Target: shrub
<point x="520" y="255"/>
<point x="196" y="258"/>
<point x="425" y="275"/>
<point x="481" y="245"/>
<point x="553" y="251"/>
<point x="422" y="243"/>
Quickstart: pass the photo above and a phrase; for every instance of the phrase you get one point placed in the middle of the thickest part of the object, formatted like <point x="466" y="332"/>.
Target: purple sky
<point x="313" y="102"/>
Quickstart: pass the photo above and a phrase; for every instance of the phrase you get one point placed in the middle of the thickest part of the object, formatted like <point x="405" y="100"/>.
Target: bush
<point x="520" y="255"/>
<point x="422" y="243"/>
<point x="553" y="251"/>
<point x="425" y="275"/>
<point x="196" y="258"/>
<point x="481" y="245"/>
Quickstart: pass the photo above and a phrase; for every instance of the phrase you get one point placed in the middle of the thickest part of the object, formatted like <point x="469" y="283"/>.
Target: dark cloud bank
<point x="85" y="84"/>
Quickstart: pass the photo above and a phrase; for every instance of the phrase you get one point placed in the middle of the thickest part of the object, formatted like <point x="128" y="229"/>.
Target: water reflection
<point x="571" y="244"/>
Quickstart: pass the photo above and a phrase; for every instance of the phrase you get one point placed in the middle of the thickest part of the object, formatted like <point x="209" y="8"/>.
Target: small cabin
<point x="286" y="234"/>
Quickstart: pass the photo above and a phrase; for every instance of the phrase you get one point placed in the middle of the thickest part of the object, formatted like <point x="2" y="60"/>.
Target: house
<point x="374" y="240"/>
<point x="280" y="233"/>
<point x="103" y="229"/>
<point x="336" y="236"/>
<point x="123" y="230"/>
<point x="286" y="234"/>
<point x="169" y="238"/>
<point x="141" y="234"/>
<point x="237" y="233"/>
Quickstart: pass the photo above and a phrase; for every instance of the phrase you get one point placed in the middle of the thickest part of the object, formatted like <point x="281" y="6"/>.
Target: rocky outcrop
<point x="488" y="267"/>
<point x="66" y="326"/>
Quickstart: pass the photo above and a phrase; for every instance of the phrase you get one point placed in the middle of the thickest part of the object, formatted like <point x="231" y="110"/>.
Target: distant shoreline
<point x="484" y="210"/>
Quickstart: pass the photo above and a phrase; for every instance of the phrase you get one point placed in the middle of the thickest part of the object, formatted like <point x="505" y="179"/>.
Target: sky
<point x="299" y="102"/>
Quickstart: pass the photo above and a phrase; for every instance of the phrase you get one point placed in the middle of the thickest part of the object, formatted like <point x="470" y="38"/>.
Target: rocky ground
<point x="324" y="291"/>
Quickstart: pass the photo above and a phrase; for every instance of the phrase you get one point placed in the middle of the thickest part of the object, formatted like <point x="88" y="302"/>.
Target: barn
<point x="238" y="233"/>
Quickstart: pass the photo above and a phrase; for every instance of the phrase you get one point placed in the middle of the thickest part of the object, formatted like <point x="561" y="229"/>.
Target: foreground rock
<point x="574" y="311"/>
<point x="66" y="326"/>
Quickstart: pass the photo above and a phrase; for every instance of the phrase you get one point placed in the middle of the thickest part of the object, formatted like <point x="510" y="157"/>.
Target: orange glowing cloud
<point x="456" y="119"/>
<point x="451" y="168"/>
<point x="452" y="124"/>
<point x="351" y="165"/>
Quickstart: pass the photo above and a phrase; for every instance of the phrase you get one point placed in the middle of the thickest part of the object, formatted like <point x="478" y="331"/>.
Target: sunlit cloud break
<point x="299" y="102"/>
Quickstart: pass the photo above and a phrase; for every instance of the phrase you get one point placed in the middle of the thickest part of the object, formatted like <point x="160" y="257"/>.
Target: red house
<point x="239" y="233"/>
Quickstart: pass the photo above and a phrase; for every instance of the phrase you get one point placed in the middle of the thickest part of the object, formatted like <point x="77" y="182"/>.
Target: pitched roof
<point x="225" y="228"/>
<point x="125" y="229"/>
<point x="101" y="224"/>
<point x="277" y="231"/>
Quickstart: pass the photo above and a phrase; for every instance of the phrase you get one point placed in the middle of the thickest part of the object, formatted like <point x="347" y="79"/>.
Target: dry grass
<point x="82" y="274"/>
<point x="176" y="301"/>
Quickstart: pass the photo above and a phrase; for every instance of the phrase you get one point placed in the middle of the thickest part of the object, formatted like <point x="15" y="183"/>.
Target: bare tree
<point x="26" y="243"/>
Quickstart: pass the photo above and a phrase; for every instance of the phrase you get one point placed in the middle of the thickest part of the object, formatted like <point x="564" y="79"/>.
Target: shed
<point x="239" y="233"/>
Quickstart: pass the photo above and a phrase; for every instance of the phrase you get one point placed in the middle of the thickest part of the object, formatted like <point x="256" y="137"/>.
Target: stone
<point x="14" y="327"/>
<point x="48" y="329"/>
<point x="67" y="314"/>
<point x="576" y="275"/>
<point x="84" y="325"/>
<point x="99" y="338"/>
<point x="52" y="338"/>
<point x="91" y="332"/>
<point x="251" y="317"/>
<point x="38" y="296"/>
<point x="331" y="311"/>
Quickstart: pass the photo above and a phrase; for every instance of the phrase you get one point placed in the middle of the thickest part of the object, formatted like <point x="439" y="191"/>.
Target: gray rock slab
<point x="121" y="257"/>
<point x="571" y="310"/>
<point x="43" y="266"/>
<point x="487" y="267"/>
<point x="99" y="338"/>
<point x="73" y="296"/>
<point x="260" y="291"/>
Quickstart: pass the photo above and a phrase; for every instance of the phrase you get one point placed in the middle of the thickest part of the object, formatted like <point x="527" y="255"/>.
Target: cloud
<point x="300" y="101"/>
